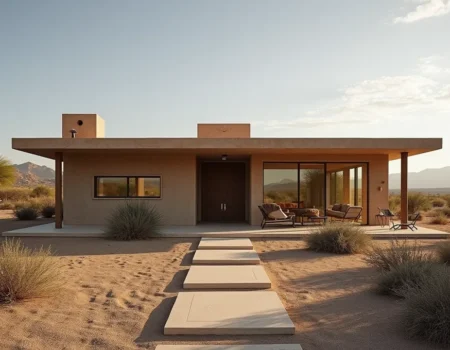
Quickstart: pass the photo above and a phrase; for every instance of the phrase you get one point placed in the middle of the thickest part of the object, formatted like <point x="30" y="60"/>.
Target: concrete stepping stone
<point x="225" y="243"/>
<point x="230" y="347"/>
<point x="226" y="257"/>
<point x="227" y="277"/>
<point x="228" y="313"/>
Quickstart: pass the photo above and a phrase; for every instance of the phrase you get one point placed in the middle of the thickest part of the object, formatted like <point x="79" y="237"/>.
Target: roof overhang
<point x="47" y="147"/>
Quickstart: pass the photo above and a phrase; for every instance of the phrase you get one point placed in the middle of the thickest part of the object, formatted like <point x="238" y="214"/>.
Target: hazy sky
<point x="357" y="68"/>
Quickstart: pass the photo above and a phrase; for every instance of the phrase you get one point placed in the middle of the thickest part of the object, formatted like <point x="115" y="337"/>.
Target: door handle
<point x="225" y="206"/>
<point x="221" y="206"/>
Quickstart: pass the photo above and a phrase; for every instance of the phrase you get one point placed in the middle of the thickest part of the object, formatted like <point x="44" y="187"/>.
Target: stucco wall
<point x="378" y="172"/>
<point x="178" y="175"/>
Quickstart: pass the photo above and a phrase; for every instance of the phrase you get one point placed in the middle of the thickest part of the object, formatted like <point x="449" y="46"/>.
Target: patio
<point x="220" y="230"/>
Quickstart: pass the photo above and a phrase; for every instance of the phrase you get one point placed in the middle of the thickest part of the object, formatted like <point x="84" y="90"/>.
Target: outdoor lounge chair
<point x="268" y="209"/>
<point x="345" y="212"/>
<point x="410" y="224"/>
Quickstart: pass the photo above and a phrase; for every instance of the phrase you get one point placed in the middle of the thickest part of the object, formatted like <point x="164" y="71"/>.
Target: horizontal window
<point x="127" y="187"/>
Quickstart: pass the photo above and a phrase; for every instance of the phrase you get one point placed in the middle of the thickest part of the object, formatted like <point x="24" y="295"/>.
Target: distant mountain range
<point x="30" y="174"/>
<point x="425" y="179"/>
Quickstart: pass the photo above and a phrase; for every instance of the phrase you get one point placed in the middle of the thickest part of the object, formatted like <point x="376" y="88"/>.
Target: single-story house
<point x="222" y="175"/>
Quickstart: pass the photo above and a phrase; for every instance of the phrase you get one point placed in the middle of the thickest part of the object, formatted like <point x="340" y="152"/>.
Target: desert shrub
<point x="339" y="238"/>
<point x="410" y="274"/>
<point x="398" y="253"/>
<point x="439" y="211"/>
<point x="438" y="202"/>
<point x="27" y="273"/>
<point x="394" y="203"/>
<point x="42" y="191"/>
<point x="427" y="314"/>
<point x="26" y="213"/>
<point x="35" y="203"/>
<point x="133" y="220"/>
<point x="417" y="202"/>
<point x="14" y="194"/>
<point x="443" y="252"/>
<point x="48" y="211"/>
<point x="440" y="219"/>
<point x="6" y="205"/>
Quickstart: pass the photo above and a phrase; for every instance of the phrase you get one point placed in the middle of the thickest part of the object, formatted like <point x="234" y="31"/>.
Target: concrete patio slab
<point x="227" y="277"/>
<point x="225" y="257"/>
<point x="228" y="313"/>
<point x="225" y="243"/>
<point x="231" y="347"/>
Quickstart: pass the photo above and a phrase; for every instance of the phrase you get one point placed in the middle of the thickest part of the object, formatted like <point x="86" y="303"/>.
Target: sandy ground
<point x="118" y="295"/>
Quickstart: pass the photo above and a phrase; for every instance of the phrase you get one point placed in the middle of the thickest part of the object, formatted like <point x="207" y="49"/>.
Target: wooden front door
<point x="223" y="192"/>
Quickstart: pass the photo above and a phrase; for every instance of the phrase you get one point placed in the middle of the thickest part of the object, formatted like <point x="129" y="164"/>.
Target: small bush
<point x="438" y="211"/>
<point x="418" y="202"/>
<point x="133" y="220"/>
<point x="394" y="203"/>
<point x="399" y="252"/>
<point x="48" y="211"/>
<point x="443" y="252"/>
<point x="339" y="238"/>
<point x="42" y="191"/>
<point x="26" y="213"/>
<point x="427" y="314"/>
<point x="36" y="203"/>
<point x="406" y="275"/>
<point x="7" y="205"/>
<point x="438" y="202"/>
<point x="440" y="219"/>
<point x="26" y="273"/>
<point x="15" y="194"/>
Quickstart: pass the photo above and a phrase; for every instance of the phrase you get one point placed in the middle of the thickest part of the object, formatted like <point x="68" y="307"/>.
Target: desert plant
<point x="27" y="213"/>
<point x="394" y="203"/>
<point x="398" y="253"/>
<point x="339" y="238"/>
<point x="439" y="211"/>
<point x="6" y="205"/>
<point x="7" y="172"/>
<point x="48" y="211"/>
<point x="14" y="194"/>
<point x="438" y="202"/>
<point x="417" y="202"/>
<point x="27" y="273"/>
<point x="410" y="274"/>
<point x="427" y="314"/>
<point x="443" y="252"/>
<point x="133" y="220"/>
<point x="440" y="219"/>
<point x="42" y="191"/>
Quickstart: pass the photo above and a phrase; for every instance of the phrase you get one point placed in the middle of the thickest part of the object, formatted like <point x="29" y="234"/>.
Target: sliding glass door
<point x="312" y="186"/>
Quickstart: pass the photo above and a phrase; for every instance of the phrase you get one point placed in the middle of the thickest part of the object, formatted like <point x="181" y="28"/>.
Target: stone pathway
<point x="229" y="264"/>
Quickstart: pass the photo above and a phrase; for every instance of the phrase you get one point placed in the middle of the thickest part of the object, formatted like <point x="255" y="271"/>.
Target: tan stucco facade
<point x="178" y="174"/>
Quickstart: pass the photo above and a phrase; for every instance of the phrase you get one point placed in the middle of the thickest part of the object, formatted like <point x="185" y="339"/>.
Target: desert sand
<point x="118" y="295"/>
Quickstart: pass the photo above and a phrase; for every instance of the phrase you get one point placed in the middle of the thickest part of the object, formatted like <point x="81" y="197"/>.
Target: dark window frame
<point x="127" y="177"/>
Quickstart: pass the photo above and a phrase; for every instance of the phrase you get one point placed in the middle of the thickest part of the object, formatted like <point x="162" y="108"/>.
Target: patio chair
<point x="410" y="224"/>
<point x="267" y="219"/>
<point x="348" y="212"/>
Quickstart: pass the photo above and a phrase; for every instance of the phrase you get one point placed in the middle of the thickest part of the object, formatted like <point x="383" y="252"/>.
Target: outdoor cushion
<point x="278" y="214"/>
<point x="344" y="207"/>
<point x="336" y="207"/>
<point x="335" y="213"/>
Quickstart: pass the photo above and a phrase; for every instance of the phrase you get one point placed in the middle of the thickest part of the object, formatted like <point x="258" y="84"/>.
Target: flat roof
<point x="47" y="147"/>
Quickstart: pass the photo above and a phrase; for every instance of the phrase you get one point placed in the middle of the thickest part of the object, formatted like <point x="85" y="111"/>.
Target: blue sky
<point x="291" y="68"/>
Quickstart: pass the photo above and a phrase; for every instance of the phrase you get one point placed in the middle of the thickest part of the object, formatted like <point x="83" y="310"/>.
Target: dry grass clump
<point x="427" y="314"/>
<point x="15" y="194"/>
<point x="438" y="202"/>
<point x="443" y="252"/>
<point x="409" y="274"/>
<point x="418" y="202"/>
<point x="338" y="238"/>
<point x="398" y="253"/>
<point x="26" y="273"/>
<point x="440" y="219"/>
<point x="26" y="213"/>
<point x="438" y="211"/>
<point x="133" y="220"/>
<point x="42" y="191"/>
<point x="7" y="205"/>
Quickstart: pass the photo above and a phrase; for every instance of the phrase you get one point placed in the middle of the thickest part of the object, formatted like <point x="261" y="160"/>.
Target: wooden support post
<point x="58" y="190"/>
<point x="404" y="189"/>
